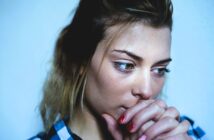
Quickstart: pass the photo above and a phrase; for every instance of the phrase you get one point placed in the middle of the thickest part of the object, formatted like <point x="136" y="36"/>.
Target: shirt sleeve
<point x="196" y="132"/>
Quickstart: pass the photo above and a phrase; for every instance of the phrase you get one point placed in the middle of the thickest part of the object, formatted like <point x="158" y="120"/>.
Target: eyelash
<point x="160" y="72"/>
<point x="125" y="67"/>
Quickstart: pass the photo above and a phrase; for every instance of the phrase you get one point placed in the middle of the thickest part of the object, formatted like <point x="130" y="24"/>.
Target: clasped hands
<point x="148" y="120"/>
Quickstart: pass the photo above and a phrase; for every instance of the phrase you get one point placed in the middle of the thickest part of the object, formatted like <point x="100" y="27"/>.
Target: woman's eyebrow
<point x="167" y="60"/>
<point x="130" y="54"/>
<point x="136" y="57"/>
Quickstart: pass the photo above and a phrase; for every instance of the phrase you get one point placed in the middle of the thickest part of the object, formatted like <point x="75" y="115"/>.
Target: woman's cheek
<point x="158" y="87"/>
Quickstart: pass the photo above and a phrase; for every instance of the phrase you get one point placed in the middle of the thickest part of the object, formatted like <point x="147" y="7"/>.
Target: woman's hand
<point x="151" y="119"/>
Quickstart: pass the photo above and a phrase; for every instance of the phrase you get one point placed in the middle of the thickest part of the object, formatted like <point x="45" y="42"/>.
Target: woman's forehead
<point x="143" y="41"/>
<point x="127" y="34"/>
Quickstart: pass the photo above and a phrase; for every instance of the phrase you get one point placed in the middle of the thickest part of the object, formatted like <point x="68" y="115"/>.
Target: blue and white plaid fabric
<point x="195" y="131"/>
<point x="61" y="131"/>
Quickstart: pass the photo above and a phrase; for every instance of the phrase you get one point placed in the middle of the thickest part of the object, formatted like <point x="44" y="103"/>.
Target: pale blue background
<point x="28" y="30"/>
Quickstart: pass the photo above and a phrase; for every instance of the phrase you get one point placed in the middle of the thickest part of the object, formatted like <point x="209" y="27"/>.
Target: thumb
<point x="112" y="126"/>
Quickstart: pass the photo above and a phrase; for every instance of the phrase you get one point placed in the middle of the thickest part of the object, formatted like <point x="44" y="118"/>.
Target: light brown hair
<point x="64" y="87"/>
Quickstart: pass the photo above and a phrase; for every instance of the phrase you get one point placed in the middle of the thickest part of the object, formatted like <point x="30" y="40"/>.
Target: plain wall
<point x="28" y="31"/>
<point x="190" y="86"/>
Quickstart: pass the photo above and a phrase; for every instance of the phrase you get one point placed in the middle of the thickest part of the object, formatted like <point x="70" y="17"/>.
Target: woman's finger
<point x="143" y="137"/>
<point x="129" y="113"/>
<point x="112" y="126"/>
<point x="144" y="127"/>
<point x="171" y="112"/>
<point x="182" y="136"/>
<point x="180" y="129"/>
<point x="152" y="112"/>
<point x="164" y="125"/>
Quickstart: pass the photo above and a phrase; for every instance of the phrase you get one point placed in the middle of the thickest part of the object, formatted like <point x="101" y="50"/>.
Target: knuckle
<point x="174" y="111"/>
<point x="170" y="120"/>
<point x="142" y="129"/>
<point x="186" y="124"/>
<point x="161" y="103"/>
<point x="157" y="110"/>
<point x="146" y="126"/>
<point x="136" y="120"/>
<point x="156" y="107"/>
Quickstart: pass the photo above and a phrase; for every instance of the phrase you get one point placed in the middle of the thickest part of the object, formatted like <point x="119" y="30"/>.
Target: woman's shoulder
<point x="59" y="131"/>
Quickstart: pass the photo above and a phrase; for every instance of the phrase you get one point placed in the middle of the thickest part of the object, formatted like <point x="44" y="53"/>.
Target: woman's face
<point x="130" y="70"/>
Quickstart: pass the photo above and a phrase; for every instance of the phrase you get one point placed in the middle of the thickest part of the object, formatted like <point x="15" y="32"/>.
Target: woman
<point x="108" y="72"/>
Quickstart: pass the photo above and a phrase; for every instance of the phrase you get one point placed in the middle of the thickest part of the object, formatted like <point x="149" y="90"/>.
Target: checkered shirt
<point x="61" y="131"/>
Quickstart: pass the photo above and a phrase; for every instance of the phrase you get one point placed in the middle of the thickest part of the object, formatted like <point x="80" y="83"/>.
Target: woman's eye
<point x="124" y="66"/>
<point x="160" y="72"/>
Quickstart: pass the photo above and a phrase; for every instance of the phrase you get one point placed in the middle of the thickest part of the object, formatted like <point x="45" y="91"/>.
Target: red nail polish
<point x="122" y="119"/>
<point x="131" y="127"/>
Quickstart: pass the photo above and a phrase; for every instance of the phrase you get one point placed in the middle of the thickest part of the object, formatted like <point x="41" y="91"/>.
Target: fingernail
<point x="122" y="119"/>
<point x="142" y="137"/>
<point x="131" y="127"/>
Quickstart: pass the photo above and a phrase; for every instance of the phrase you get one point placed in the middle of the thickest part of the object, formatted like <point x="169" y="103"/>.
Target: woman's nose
<point x="143" y="86"/>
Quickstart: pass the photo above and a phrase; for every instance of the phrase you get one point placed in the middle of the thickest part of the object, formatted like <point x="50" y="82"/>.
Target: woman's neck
<point x="85" y="124"/>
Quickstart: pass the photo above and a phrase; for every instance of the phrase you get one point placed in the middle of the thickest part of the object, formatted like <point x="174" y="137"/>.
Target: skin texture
<point x="113" y="87"/>
<point x="123" y="82"/>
